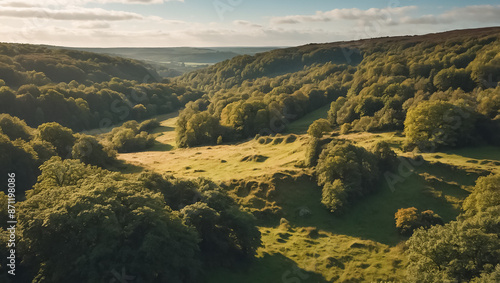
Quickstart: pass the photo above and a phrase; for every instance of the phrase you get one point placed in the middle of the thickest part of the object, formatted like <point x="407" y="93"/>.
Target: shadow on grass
<point x="127" y="168"/>
<point x="163" y="129"/>
<point x="269" y="268"/>
<point x="481" y="152"/>
<point x="161" y="147"/>
<point x="372" y="217"/>
<point x="301" y="125"/>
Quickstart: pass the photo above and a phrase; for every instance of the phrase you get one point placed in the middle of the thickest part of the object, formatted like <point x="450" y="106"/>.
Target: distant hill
<point x="287" y="60"/>
<point x="35" y="64"/>
<point x="174" y="61"/>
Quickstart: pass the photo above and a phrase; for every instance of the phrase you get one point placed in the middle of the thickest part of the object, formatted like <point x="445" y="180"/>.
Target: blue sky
<point x="164" y="23"/>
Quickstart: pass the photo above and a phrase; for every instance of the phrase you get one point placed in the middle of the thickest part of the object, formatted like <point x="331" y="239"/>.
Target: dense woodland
<point x="438" y="91"/>
<point x="371" y="86"/>
<point x="82" y="90"/>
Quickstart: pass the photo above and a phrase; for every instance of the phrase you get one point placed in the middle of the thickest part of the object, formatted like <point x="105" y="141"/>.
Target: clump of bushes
<point x="409" y="219"/>
<point x="346" y="172"/>
<point x="149" y="125"/>
<point x="130" y="138"/>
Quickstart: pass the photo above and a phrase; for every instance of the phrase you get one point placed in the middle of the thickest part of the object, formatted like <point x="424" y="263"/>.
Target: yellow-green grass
<point x="480" y="159"/>
<point x="359" y="245"/>
<point x="222" y="162"/>
<point x="301" y="125"/>
<point x="305" y="254"/>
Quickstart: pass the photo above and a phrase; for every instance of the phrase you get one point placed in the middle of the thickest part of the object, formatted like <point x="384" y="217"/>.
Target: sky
<point x="211" y="23"/>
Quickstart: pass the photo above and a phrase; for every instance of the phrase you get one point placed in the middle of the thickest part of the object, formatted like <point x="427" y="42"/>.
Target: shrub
<point x="90" y="151"/>
<point x="149" y="125"/>
<point x="408" y="219"/>
<point x="129" y="138"/>
<point x="334" y="196"/>
<point x="318" y="127"/>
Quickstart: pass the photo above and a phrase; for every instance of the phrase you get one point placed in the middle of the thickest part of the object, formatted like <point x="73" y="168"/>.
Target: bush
<point x="408" y="219"/>
<point x="347" y="172"/>
<point x="90" y="151"/>
<point x="149" y="125"/>
<point x="318" y="127"/>
<point x="312" y="152"/>
<point x="334" y="196"/>
<point x="129" y="138"/>
<point x="386" y="156"/>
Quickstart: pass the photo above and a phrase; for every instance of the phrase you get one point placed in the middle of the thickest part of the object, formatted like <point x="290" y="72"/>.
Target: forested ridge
<point x="373" y="84"/>
<point x="82" y="90"/>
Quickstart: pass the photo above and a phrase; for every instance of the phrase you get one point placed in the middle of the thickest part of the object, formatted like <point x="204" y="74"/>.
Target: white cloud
<point x="246" y="24"/>
<point x="94" y="25"/>
<point x="477" y="13"/>
<point x="72" y="14"/>
<point x="345" y="14"/>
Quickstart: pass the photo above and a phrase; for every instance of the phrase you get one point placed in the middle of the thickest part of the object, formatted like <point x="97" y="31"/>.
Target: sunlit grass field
<point x="306" y="242"/>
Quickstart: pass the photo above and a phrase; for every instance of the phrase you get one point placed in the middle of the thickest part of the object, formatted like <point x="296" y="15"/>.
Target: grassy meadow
<point x="301" y="240"/>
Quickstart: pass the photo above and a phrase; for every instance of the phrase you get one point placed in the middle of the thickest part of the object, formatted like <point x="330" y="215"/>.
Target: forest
<point x="367" y="161"/>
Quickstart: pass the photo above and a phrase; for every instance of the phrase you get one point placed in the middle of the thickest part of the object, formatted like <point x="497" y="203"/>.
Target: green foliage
<point x="409" y="219"/>
<point x="19" y="158"/>
<point x="90" y="151"/>
<point x="453" y="78"/>
<point x="386" y="156"/>
<point x="125" y="227"/>
<point x="60" y="137"/>
<point x="127" y="138"/>
<point x="82" y="90"/>
<point x="355" y="167"/>
<point x="334" y="196"/>
<point x="486" y="194"/>
<point x="318" y="127"/>
<point x="149" y="125"/>
<point x="15" y="128"/>
<point x="464" y="250"/>
<point x="435" y="124"/>
<point x="197" y="129"/>
<point x="228" y="235"/>
<point x="313" y="151"/>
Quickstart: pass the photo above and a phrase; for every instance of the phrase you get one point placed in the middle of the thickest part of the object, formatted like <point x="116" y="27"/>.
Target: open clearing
<point x="360" y="245"/>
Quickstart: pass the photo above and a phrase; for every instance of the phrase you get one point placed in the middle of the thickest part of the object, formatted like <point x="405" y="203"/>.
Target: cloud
<point x="344" y="14"/>
<point x="19" y="4"/>
<point x="73" y="14"/>
<point x="477" y="13"/>
<point x="94" y="25"/>
<point x="246" y="24"/>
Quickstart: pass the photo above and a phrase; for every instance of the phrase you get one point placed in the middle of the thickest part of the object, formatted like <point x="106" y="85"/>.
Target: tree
<point x="318" y="127"/>
<point x="15" y="128"/>
<point x="435" y="124"/>
<point x="486" y="194"/>
<point x="334" y="196"/>
<point x="60" y="137"/>
<point x="103" y="223"/>
<point x="454" y="78"/>
<point x="386" y="156"/>
<point x="346" y="173"/>
<point x="90" y="151"/>
<point x="409" y="219"/>
<point x="466" y="250"/>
